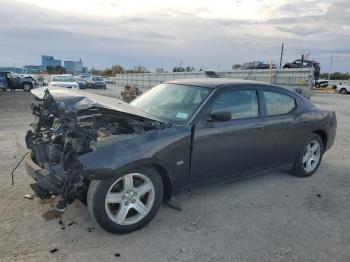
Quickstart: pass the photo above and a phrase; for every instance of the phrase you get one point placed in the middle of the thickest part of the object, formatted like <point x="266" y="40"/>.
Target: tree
<point x="178" y="69"/>
<point x="182" y="69"/>
<point x="95" y="71"/>
<point x="140" y="69"/>
<point x="55" y="70"/>
<point x="336" y="76"/>
<point x="190" y="69"/>
<point x="236" y="67"/>
<point x="117" y="69"/>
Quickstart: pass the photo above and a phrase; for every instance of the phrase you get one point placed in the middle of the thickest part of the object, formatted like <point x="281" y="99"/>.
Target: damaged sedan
<point x="123" y="160"/>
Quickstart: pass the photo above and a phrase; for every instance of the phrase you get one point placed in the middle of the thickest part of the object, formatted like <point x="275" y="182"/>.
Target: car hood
<point x="76" y="101"/>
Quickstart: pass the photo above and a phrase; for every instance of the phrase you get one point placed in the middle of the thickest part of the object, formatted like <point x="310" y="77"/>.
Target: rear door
<point x="230" y="148"/>
<point x="281" y="136"/>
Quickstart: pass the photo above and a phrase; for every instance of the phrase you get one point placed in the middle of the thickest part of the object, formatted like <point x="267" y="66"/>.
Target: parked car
<point x="124" y="159"/>
<point x="300" y="63"/>
<point x="63" y="81"/>
<point x="109" y="80"/>
<point x="96" y="82"/>
<point x="320" y="83"/>
<point x="256" y="65"/>
<point x="15" y="81"/>
<point x="343" y="89"/>
<point x="81" y="82"/>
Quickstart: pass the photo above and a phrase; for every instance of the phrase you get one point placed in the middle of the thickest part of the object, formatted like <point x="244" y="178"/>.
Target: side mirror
<point x="220" y="116"/>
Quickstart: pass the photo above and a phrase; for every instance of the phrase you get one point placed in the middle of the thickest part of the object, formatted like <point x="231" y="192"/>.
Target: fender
<point x="169" y="147"/>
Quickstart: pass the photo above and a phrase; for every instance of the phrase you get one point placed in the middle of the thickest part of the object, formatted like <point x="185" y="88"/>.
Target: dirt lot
<point x="276" y="217"/>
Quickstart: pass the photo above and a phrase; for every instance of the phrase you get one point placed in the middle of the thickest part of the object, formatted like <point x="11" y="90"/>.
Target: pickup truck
<point x="13" y="81"/>
<point x="343" y="89"/>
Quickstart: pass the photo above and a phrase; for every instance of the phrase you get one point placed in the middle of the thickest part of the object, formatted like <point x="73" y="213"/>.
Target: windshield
<point x="172" y="102"/>
<point x="63" y="79"/>
<point x="97" y="79"/>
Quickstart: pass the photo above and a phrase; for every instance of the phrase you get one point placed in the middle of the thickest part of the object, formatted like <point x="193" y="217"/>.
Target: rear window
<point x="277" y="103"/>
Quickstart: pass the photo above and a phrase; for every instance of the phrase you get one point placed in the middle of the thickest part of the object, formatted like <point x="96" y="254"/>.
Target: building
<point x="49" y="61"/>
<point x="73" y="67"/>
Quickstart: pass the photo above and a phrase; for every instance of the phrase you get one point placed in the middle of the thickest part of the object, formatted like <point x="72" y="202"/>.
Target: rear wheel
<point x="310" y="157"/>
<point x="127" y="202"/>
<point x="343" y="91"/>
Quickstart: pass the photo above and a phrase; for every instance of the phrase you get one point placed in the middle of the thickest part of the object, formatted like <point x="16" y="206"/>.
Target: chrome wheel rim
<point x="130" y="199"/>
<point x="312" y="156"/>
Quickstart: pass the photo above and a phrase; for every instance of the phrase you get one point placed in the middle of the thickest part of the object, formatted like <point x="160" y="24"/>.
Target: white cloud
<point x="160" y="33"/>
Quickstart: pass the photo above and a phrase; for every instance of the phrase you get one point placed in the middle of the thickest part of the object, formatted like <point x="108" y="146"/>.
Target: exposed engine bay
<point x="59" y="136"/>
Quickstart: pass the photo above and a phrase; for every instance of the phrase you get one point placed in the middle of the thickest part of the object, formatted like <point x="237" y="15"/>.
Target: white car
<point x="63" y="81"/>
<point x="343" y="89"/>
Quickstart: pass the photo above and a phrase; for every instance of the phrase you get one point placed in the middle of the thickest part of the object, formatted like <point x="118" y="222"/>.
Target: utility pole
<point x="281" y="55"/>
<point x="330" y="68"/>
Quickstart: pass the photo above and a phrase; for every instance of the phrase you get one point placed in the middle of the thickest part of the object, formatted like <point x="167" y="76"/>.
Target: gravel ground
<point x="276" y="217"/>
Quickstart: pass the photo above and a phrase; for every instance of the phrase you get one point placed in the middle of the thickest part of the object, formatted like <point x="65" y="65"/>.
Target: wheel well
<point x="323" y="136"/>
<point x="165" y="178"/>
<point x="26" y="83"/>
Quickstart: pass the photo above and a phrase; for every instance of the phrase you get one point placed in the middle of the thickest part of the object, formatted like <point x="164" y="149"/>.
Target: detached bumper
<point x="51" y="179"/>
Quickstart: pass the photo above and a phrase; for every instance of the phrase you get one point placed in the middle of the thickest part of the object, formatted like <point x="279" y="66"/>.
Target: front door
<point x="227" y="148"/>
<point x="9" y="80"/>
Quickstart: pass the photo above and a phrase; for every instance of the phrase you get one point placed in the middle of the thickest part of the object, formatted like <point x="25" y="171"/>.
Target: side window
<point x="241" y="104"/>
<point x="278" y="103"/>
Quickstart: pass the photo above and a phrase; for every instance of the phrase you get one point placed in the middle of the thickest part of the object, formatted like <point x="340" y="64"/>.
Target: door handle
<point x="258" y="127"/>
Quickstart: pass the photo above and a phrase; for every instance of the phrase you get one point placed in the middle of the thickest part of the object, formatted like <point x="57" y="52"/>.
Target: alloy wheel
<point x="312" y="156"/>
<point x="130" y="199"/>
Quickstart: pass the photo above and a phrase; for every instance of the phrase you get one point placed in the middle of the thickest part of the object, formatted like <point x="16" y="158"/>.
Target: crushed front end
<point x="59" y="136"/>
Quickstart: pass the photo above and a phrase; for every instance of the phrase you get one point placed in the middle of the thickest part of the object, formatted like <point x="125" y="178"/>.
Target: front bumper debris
<point x="46" y="179"/>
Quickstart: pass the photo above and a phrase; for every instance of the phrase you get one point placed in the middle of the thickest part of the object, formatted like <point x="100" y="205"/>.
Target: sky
<point x="207" y="34"/>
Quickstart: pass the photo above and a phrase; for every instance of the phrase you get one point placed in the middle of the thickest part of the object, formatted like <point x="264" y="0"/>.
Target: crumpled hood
<point x="76" y="100"/>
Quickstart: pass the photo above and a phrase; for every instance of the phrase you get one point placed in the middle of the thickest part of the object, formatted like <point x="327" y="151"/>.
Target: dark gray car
<point x="96" y="82"/>
<point x="124" y="159"/>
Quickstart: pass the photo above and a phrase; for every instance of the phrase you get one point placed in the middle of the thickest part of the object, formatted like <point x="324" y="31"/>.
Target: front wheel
<point x="310" y="157"/>
<point x="127" y="202"/>
<point x="27" y="87"/>
<point x="343" y="91"/>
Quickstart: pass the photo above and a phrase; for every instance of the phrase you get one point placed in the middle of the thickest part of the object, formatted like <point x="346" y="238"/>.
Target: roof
<point x="214" y="82"/>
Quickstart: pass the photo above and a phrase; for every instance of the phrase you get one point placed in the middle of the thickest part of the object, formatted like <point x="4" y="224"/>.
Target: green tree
<point x="55" y="70"/>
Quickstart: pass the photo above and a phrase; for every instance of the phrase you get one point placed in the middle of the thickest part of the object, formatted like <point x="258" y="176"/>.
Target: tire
<point x="301" y="166"/>
<point x="27" y="87"/>
<point x="343" y="91"/>
<point x="110" y="215"/>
